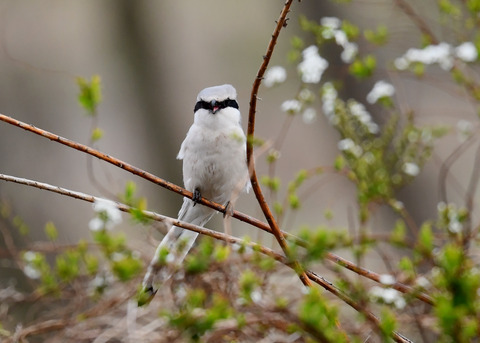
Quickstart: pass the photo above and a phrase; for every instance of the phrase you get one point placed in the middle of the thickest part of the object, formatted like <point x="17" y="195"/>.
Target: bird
<point x="214" y="167"/>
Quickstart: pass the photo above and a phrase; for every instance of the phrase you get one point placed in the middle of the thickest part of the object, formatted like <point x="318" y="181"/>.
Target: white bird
<point x="214" y="167"/>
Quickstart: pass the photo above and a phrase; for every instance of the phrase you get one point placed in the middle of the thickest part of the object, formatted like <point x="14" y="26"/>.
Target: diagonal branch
<point x="280" y="237"/>
<point x="59" y="324"/>
<point x="157" y="217"/>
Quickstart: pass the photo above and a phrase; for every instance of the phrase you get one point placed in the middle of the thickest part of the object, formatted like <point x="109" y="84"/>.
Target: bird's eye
<point x="231" y="103"/>
<point x="202" y="104"/>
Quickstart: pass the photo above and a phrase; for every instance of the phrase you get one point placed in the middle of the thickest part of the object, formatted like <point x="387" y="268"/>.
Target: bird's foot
<point x="228" y="209"/>
<point x="196" y="196"/>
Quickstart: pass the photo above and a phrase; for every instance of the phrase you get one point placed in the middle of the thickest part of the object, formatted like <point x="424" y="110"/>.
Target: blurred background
<point x="153" y="58"/>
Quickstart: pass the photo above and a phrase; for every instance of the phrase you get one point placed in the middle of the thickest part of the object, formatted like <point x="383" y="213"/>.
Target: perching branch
<point x="177" y="189"/>
<point x="56" y="325"/>
<point x="221" y="236"/>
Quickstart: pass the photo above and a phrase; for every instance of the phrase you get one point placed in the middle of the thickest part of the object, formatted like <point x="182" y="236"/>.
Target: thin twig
<point x="158" y="217"/>
<point x="220" y="236"/>
<point x="281" y="22"/>
<point x="130" y="168"/>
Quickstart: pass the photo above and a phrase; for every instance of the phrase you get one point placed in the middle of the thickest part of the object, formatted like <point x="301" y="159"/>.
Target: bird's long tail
<point x="175" y="246"/>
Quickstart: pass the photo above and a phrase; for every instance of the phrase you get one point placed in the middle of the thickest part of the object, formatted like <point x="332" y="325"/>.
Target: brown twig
<point x="60" y="324"/>
<point x="281" y="22"/>
<point x="130" y="168"/>
<point x="157" y="217"/>
<point x="228" y="239"/>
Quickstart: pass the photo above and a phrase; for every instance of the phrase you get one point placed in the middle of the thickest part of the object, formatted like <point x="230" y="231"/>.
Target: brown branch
<point x="130" y="168"/>
<point x="417" y="20"/>
<point x="60" y="324"/>
<point x="157" y="217"/>
<point x="280" y="237"/>
<point x="234" y="240"/>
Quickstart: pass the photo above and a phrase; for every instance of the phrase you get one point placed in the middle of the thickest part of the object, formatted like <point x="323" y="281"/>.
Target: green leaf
<point x="127" y="267"/>
<point x="90" y="94"/>
<point x="398" y="234"/>
<point x="20" y="225"/>
<point x="294" y="201"/>
<point x="388" y="322"/>
<point x="221" y="252"/>
<point x="97" y="134"/>
<point x="352" y="31"/>
<point x="363" y="68"/>
<point x="378" y="37"/>
<point x="425" y="239"/>
<point x="67" y="265"/>
<point x="339" y="163"/>
<point x="51" y="231"/>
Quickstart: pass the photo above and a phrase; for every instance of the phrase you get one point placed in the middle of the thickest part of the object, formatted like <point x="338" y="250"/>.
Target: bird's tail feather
<point x="175" y="246"/>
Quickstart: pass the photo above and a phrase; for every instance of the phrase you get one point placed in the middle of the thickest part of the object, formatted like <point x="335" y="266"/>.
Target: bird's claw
<point x="196" y="196"/>
<point x="228" y="210"/>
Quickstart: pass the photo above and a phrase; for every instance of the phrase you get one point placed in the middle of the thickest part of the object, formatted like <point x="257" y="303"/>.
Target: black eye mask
<point x="214" y="106"/>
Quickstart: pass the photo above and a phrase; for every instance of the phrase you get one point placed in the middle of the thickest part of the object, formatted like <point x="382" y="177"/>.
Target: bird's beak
<point x="215" y="106"/>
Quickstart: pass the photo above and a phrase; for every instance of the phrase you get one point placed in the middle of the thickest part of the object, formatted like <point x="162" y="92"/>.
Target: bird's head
<point x="214" y="99"/>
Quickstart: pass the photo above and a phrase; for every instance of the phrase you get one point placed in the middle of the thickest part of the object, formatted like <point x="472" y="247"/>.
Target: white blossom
<point x="454" y="226"/>
<point x="330" y="22"/>
<point x="401" y="63"/>
<point x="340" y="37"/>
<point x="291" y="106"/>
<point x="31" y="272"/>
<point x="256" y="296"/>
<point x="312" y="66"/>
<point x="411" y="169"/>
<point x="275" y="75"/>
<point x="422" y="281"/>
<point x="96" y="224"/>
<point x="467" y="52"/>
<point x="464" y="130"/>
<point x="440" y="53"/>
<point x="347" y="144"/>
<point x="110" y="211"/>
<point x="29" y="269"/>
<point x="388" y="296"/>
<point x="359" y="111"/>
<point x="380" y="90"/>
<point x="387" y="279"/>
<point x="329" y="96"/>
<point x="306" y="95"/>
<point x="332" y="29"/>
<point x="441" y="206"/>
<point x="349" y="52"/>
<point x="398" y="205"/>
<point x="29" y="256"/>
<point x="309" y="115"/>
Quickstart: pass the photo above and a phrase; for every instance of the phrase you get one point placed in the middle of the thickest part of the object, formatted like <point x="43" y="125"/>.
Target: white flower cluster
<point x="359" y="111"/>
<point x="329" y="96"/>
<point x="380" y="90"/>
<point x="274" y="76"/>
<point x="29" y="268"/>
<point x="411" y="168"/>
<point x="388" y="296"/>
<point x="291" y="106"/>
<point x="452" y="216"/>
<point x="442" y="54"/>
<point x="108" y="215"/>
<point x="332" y="30"/>
<point x="312" y="66"/>
<point x="347" y="144"/>
<point x="464" y="130"/>
<point x="295" y="106"/>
